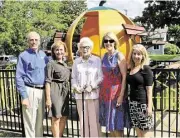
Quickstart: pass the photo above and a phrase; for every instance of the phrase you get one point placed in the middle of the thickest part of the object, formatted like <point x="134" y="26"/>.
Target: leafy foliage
<point x="159" y="13"/>
<point x="17" y="18"/>
<point x="174" y="31"/>
<point x="171" y="49"/>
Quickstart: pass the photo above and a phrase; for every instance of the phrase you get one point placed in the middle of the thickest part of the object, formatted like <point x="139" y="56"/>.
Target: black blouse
<point x="138" y="83"/>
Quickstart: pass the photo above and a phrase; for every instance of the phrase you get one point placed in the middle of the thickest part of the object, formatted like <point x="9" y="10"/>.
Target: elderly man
<point x="30" y="79"/>
<point x="86" y="77"/>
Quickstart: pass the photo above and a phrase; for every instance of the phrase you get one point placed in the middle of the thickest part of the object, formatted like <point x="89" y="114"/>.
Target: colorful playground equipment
<point x="100" y="20"/>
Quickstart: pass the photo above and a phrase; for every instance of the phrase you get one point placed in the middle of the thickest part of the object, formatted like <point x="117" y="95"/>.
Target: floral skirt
<point x="139" y="117"/>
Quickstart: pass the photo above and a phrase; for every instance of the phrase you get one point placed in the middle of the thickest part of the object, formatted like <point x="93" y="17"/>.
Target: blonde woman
<point x="57" y="88"/>
<point x="113" y="87"/>
<point x="140" y="79"/>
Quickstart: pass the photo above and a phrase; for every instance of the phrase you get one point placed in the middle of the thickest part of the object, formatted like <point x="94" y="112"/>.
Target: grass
<point x="163" y="57"/>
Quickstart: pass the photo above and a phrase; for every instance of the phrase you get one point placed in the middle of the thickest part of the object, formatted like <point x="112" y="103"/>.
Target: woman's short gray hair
<point x="86" y="41"/>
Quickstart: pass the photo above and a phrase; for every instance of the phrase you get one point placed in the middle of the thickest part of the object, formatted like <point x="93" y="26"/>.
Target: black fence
<point x="10" y="107"/>
<point x="166" y="110"/>
<point x="162" y="64"/>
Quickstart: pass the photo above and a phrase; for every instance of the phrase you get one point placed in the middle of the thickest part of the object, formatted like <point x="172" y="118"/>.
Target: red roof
<point x="134" y="30"/>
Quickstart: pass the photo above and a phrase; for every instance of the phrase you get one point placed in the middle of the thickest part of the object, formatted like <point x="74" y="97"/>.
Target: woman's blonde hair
<point x="56" y="45"/>
<point x="112" y="36"/>
<point x="145" y="57"/>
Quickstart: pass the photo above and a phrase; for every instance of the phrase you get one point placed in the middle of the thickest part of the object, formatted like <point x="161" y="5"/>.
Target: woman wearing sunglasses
<point x="113" y="87"/>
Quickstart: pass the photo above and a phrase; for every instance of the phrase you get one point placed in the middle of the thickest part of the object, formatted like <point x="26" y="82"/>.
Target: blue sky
<point x="133" y="8"/>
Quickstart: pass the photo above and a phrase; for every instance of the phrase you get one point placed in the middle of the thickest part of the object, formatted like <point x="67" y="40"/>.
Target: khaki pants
<point x="33" y="116"/>
<point x="91" y="117"/>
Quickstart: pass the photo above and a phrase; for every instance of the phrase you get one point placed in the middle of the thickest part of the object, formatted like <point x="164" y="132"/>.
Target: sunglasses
<point x="110" y="41"/>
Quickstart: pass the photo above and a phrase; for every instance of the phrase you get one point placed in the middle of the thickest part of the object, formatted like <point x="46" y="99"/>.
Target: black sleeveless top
<point x="138" y="83"/>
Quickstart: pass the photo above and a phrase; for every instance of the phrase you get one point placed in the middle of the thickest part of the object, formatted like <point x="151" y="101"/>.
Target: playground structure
<point x="97" y="22"/>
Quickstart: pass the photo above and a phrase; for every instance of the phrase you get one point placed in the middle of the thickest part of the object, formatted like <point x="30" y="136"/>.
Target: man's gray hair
<point x="86" y="41"/>
<point x="32" y="33"/>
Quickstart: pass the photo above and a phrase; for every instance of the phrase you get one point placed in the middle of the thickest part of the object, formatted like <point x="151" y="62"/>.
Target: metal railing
<point x="166" y="110"/>
<point x="162" y="64"/>
<point x="166" y="98"/>
<point x="10" y="113"/>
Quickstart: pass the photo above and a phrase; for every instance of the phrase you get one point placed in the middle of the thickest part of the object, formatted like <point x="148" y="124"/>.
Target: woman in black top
<point x="140" y="79"/>
<point x="57" y="88"/>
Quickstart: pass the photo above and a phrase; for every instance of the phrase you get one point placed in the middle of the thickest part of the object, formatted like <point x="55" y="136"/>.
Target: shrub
<point x="171" y="49"/>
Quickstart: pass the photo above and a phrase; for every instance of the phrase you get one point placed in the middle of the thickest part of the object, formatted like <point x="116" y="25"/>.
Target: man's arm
<point x="20" y="73"/>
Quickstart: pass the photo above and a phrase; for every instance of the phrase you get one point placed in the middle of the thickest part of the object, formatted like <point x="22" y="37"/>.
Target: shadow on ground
<point x="9" y="134"/>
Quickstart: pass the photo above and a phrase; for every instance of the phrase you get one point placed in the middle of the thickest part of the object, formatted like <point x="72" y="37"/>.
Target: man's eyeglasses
<point x="110" y="41"/>
<point x="85" y="47"/>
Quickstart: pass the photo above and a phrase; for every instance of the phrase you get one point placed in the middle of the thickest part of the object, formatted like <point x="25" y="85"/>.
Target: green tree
<point x="174" y="31"/>
<point x="160" y="13"/>
<point x="171" y="49"/>
<point x="19" y="17"/>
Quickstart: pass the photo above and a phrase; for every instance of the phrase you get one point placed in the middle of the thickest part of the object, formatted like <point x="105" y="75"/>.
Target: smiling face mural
<point x="98" y="21"/>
